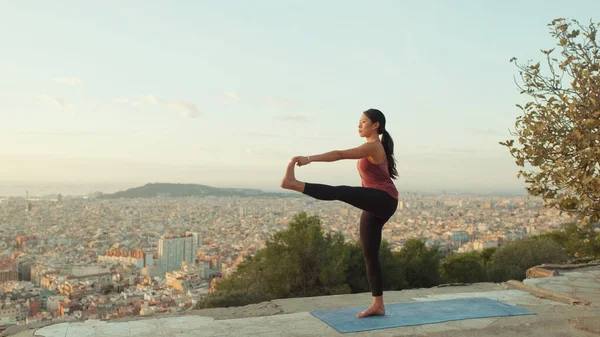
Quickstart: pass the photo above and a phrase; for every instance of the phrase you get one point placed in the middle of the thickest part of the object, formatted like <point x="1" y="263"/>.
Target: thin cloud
<point x="73" y="81"/>
<point x="127" y="101"/>
<point x="293" y="118"/>
<point x="232" y="95"/>
<point x="56" y="101"/>
<point x="149" y="99"/>
<point x="280" y="101"/>
<point x="185" y="109"/>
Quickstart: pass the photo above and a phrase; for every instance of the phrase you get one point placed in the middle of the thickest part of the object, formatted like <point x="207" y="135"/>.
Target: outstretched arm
<point x="362" y="151"/>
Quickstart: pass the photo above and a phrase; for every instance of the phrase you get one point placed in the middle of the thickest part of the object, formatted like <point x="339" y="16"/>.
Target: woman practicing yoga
<point x="378" y="196"/>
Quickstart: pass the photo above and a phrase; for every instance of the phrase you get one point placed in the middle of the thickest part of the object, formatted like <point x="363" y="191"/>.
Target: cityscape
<point x="87" y="257"/>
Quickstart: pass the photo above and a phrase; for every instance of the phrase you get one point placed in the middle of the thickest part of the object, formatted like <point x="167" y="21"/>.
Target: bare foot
<point x="373" y="310"/>
<point x="289" y="181"/>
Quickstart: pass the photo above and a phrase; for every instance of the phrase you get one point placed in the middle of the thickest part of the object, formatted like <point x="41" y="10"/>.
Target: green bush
<point x="463" y="268"/>
<point x="513" y="260"/>
<point x="421" y="264"/>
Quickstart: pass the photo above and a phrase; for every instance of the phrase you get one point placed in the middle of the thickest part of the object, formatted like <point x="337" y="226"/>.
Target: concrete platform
<point x="291" y="317"/>
<point x="581" y="283"/>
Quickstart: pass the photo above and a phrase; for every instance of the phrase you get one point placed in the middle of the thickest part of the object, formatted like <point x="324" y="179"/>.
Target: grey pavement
<point x="291" y="317"/>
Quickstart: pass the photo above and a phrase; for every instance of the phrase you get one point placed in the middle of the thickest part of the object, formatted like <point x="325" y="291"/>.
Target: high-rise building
<point x="173" y="250"/>
<point x="27" y="203"/>
<point x="24" y="270"/>
<point x="197" y="240"/>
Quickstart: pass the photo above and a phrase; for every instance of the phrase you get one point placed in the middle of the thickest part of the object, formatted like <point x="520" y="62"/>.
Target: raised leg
<point x="289" y="181"/>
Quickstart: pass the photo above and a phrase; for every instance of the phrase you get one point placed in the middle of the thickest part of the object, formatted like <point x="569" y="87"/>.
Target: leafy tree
<point x="560" y="237"/>
<point x="578" y="242"/>
<point x="486" y="254"/>
<point x="582" y="241"/>
<point x="232" y="298"/>
<point x="248" y="279"/>
<point x="357" y="274"/>
<point x="421" y="264"/>
<point x="513" y="260"/>
<point x="463" y="268"/>
<point x="393" y="272"/>
<point x="299" y="261"/>
<point x="334" y="273"/>
<point x="559" y="132"/>
<point x="500" y="272"/>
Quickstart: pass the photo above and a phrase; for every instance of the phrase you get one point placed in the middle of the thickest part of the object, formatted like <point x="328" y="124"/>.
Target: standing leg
<point x="370" y="240"/>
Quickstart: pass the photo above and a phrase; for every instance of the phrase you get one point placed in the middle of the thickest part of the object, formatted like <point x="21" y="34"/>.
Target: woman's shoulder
<point x="378" y="155"/>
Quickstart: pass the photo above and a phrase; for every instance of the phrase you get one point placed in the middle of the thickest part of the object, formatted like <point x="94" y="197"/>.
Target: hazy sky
<point x="224" y="93"/>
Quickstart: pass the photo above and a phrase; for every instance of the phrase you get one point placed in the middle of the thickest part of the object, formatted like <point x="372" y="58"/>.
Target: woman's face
<point x="366" y="127"/>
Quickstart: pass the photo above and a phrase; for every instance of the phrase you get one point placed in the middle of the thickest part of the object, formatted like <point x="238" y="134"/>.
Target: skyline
<point x="224" y="95"/>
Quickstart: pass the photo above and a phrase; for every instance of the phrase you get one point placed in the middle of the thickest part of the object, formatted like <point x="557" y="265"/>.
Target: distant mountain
<point x="187" y="190"/>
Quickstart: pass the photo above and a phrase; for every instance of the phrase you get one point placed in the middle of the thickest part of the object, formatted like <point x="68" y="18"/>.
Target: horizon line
<point x="483" y="191"/>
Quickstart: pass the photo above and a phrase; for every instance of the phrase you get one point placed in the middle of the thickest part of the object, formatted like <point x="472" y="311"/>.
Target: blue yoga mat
<point x="417" y="313"/>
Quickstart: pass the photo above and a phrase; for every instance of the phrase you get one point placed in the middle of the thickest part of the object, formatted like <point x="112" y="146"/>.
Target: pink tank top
<point x="376" y="176"/>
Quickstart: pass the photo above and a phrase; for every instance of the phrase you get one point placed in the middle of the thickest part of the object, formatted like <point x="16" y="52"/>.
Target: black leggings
<point x="378" y="206"/>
